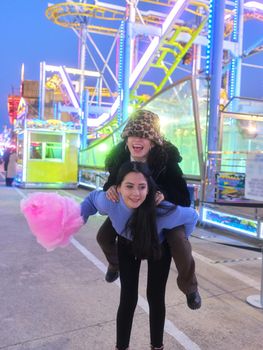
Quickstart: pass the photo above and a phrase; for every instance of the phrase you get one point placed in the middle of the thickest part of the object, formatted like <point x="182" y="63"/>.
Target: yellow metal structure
<point x="65" y="13"/>
<point x="171" y="47"/>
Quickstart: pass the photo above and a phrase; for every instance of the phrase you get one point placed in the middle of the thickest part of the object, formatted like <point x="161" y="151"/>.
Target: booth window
<point x="53" y="150"/>
<point x="46" y="147"/>
<point x="35" y="150"/>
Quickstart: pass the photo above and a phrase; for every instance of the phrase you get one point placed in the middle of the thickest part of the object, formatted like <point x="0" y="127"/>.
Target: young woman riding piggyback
<point x="143" y="142"/>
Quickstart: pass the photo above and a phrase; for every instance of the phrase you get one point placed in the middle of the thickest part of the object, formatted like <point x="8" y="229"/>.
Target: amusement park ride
<point x="181" y="59"/>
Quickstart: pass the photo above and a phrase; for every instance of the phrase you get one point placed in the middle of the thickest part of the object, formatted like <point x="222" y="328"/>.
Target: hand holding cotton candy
<point x="52" y="218"/>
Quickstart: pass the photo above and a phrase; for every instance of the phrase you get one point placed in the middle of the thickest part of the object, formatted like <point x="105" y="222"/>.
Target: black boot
<point x="194" y="300"/>
<point x="111" y="274"/>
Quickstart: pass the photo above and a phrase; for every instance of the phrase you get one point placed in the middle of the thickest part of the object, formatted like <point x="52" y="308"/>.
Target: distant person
<point x="10" y="166"/>
<point x="6" y="156"/>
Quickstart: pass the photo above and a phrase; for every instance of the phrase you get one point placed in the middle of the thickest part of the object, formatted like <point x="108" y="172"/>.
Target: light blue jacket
<point x="119" y="214"/>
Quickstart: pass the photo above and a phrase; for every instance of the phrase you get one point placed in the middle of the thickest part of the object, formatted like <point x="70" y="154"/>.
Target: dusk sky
<point x="28" y="37"/>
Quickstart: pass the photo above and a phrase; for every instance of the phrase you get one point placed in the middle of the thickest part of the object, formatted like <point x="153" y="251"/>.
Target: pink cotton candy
<point x="52" y="218"/>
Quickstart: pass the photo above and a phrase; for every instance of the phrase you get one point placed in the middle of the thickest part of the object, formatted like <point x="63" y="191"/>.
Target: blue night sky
<point x="28" y="37"/>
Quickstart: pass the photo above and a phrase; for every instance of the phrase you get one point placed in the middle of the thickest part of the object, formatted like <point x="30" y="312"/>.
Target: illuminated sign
<point x="230" y="222"/>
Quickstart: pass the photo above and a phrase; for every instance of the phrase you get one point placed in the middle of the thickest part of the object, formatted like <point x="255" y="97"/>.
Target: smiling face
<point x="139" y="147"/>
<point x="133" y="189"/>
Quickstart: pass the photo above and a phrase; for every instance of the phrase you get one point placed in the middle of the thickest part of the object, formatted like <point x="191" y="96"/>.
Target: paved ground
<point x="60" y="301"/>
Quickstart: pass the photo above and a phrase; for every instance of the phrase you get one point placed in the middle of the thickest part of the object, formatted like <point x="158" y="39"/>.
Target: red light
<point x="12" y="105"/>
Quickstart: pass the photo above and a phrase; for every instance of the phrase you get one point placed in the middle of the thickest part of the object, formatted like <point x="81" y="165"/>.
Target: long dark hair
<point x="142" y="223"/>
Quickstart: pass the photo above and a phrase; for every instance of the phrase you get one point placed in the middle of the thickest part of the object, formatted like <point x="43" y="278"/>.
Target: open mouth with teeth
<point x="137" y="147"/>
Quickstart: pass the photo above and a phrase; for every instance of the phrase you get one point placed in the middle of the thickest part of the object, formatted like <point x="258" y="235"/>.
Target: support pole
<point x="216" y="74"/>
<point x="84" y="135"/>
<point x="82" y="64"/>
<point x="42" y="91"/>
<point x="239" y="39"/>
<point x="257" y="300"/>
<point x="128" y="54"/>
<point x="217" y="38"/>
<point x="126" y="71"/>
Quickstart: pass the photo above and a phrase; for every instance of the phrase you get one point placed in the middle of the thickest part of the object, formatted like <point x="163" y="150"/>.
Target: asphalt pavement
<point x="59" y="300"/>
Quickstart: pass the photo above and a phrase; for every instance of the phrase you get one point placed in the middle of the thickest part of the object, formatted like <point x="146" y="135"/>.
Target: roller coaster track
<point x="171" y="47"/>
<point x="165" y="47"/>
<point x="72" y="14"/>
<point x="167" y="50"/>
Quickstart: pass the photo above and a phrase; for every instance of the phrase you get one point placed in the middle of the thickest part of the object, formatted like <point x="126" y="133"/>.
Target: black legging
<point x="158" y="272"/>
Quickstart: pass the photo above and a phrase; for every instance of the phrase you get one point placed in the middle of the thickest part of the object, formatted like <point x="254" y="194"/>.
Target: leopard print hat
<point x="145" y="124"/>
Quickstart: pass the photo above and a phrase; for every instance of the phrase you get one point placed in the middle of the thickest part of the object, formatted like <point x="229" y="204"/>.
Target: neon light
<point x="232" y="79"/>
<point x="69" y="88"/>
<point x="148" y="53"/>
<point x="230" y="222"/>
<point x="98" y="121"/>
<point x="90" y="73"/>
<point x="103" y="147"/>
<point x="25" y="152"/>
<point x="228" y="17"/>
<point x="235" y="21"/>
<point x="114" y="107"/>
<point x="22" y="109"/>
<point x="209" y="38"/>
<point x="109" y="6"/>
<point x="234" y="61"/>
<point x="254" y="4"/>
<point x="170" y="18"/>
<point x="120" y="73"/>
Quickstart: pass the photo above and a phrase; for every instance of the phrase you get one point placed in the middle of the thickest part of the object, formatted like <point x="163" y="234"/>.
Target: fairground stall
<point x="233" y="187"/>
<point x="47" y="153"/>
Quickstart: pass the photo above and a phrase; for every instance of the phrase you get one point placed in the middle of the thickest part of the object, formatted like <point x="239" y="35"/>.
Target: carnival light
<point x="178" y="8"/>
<point x="252" y="128"/>
<point x="98" y="121"/>
<point x="120" y="76"/>
<point x="70" y="91"/>
<point x="229" y="222"/>
<point x="234" y="61"/>
<point x="144" y="59"/>
<point x="209" y="38"/>
<point x="254" y="4"/>
<point x="103" y="147"/>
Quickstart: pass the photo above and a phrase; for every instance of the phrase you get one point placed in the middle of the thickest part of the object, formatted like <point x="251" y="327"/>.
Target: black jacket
<point x="163" y="162"/>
